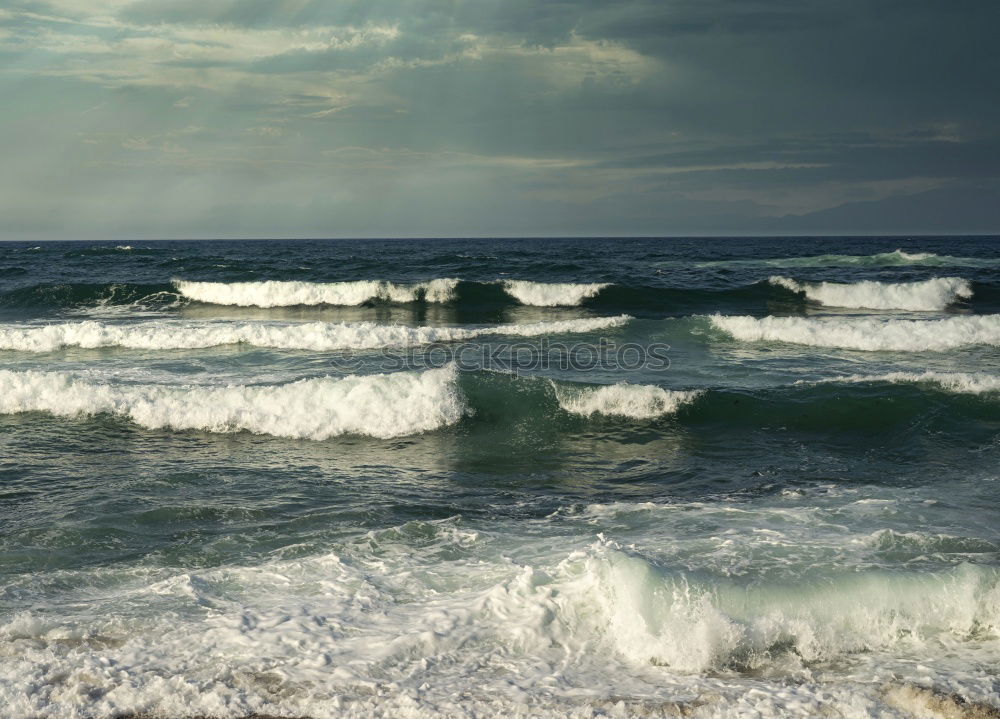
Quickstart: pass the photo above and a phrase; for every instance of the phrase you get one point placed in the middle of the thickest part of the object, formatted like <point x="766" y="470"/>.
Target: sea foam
<point x="555" y="294"/>
<point x="273" y="293"/>
<point x="317" y="635"/>
<point x="648" y="615"/>
<point x="928" y="295"/>
<point x="865" y="333"/>
<point x="386" y="405"/>
<point x="635" y="401"/>
<point x="318" y="336"/>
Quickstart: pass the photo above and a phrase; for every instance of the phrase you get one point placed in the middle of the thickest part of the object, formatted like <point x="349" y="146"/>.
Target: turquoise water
<point x="742" y="477"/>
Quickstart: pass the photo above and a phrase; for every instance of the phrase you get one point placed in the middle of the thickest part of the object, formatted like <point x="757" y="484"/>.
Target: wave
<point x="483" y="299"/>
<point x="383" y="406"/>
<point x="928" y="295"/>
<point x="880" y="259"/>
<point x="317" y="336"/>
<point x="430" y="603"/>
<point x="960" y="382"/>
<point x="557" y="294"/>
<point x="502" y="406"/>
<point x="866" y="334"/>
<point x="285" y="294"/>
<point x="274" y="293"/>
<point x="106" y="250"/>
<point x="618" y="598"/>
<point x="89" y="295"/>
<point x="622" y="400"/>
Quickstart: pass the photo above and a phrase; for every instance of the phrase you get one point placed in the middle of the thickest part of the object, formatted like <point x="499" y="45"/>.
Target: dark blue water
<point x="499" y="477"/>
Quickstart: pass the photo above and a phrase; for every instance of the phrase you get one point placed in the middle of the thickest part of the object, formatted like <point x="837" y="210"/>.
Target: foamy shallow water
<point x="594" y="610"/>
<point x="243" y="480"/>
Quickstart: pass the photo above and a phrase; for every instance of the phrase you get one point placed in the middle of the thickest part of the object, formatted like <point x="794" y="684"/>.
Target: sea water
<point x="500" y="478"/>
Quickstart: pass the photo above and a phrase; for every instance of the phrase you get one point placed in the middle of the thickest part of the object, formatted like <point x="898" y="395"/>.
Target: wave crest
<point x="554" y="294"/>
<point x="635" y="401"/>
<point x="383" y="406"/>
<point x="646" y="614"/>
<point x="275" y="293"/>
<point x="928" y="295"/>
<point x="317" y="336"/>
<point x="864" y="333"/>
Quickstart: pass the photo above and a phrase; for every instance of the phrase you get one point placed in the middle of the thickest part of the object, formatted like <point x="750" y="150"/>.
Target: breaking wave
<point x="623" y="400"/>
<point x="866" y="334"/>
<point x="274" y="293"/>
<point x="556" y="294"/>
<point x="318" y="336"/>
<point x="388" y="405"/>
<point x="928" y="295"/>
<point x="574" y="617"/>
<point x="287" y="294"/>
<point x="646" y="614"/>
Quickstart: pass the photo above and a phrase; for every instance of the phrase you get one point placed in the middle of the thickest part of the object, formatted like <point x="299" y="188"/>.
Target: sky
<point x="443" y="118"/>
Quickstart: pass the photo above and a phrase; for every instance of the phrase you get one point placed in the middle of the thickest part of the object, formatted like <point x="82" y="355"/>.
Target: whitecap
<point x="384" y="405"/>
<point x="275" y="293"/>
<point x="551" y="294"/>
<point x="317" y="336"/>
<point x="865" y="333"/>
<point x="635" y="401"/>
<point x="929" y="295"/>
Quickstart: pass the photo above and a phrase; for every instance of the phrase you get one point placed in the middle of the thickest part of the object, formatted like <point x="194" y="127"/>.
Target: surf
<point x="929" y="295"/>
<point x="866" y="334"/>
<point x="381" y="406"/>
<point x="315" y="336"/>
<point x="277" y="293"/>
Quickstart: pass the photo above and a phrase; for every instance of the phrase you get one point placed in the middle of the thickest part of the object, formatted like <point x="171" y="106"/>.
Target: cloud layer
<point x="256" y="118"/>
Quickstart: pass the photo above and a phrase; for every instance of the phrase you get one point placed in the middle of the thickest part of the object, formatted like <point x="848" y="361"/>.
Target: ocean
<point x="746" y="477"/>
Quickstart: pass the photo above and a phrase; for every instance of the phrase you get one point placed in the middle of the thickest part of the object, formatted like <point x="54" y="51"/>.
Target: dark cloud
<point x="573" y="116"/>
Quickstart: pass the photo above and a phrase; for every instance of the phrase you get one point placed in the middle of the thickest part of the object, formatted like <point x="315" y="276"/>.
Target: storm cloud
<point x="332" y="118"/>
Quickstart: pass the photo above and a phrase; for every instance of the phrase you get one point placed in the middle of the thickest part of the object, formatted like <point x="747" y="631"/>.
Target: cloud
<point x="399" y="116"/>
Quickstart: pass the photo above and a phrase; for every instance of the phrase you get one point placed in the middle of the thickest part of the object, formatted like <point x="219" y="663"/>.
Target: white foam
<point x="674" y="621"/>
<point x="318" y="336"/>
<point x="864" y="333"/>
<point x="396" y="623"/>
<point x="555" y="294"/>
<point x="928" y="295"/>
<point x="386" y="405"/>
<point x="959" y="382"/>
<point x="924" y="703"/>
<point x="636" y="401"/>
<point x="274" y="293"/>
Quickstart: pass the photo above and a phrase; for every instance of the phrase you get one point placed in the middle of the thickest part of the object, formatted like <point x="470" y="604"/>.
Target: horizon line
<point x="402" y="238"/>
